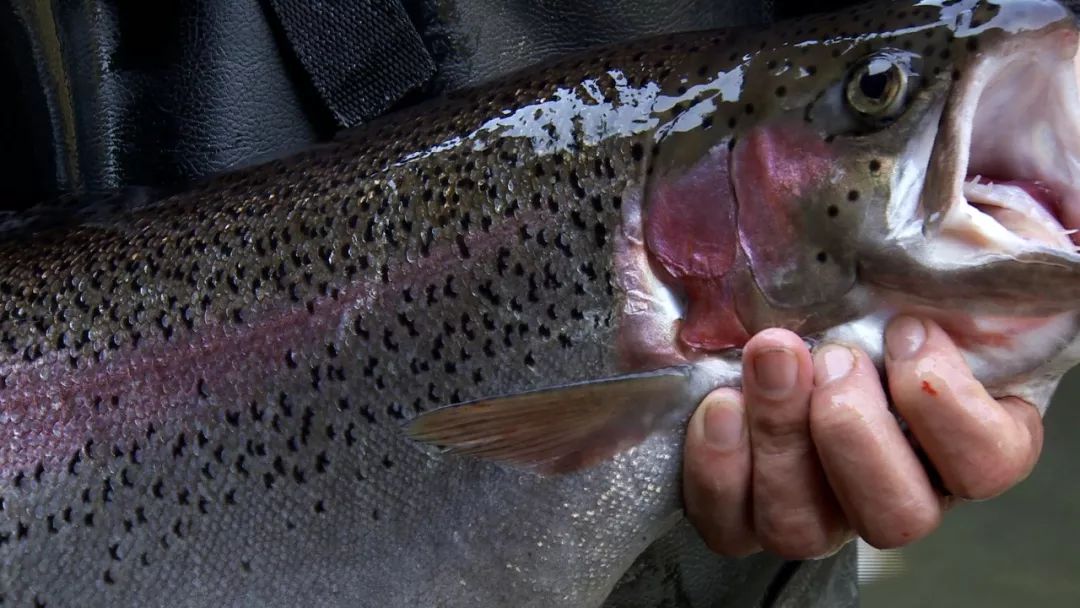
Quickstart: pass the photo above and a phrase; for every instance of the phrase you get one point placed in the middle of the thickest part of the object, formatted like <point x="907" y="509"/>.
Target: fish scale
<point x="264" y="337"/>
<point x="203" y="401"/>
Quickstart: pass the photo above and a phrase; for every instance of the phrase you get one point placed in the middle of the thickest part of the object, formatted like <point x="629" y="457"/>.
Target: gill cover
<point x="808" y="179"/>
<point x="798" y="181"/>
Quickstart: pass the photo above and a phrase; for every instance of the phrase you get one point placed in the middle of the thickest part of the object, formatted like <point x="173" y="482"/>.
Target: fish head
<point x="969" y="186"/>
<point x="830" y="142"/>
<point x="926" y="147"/>
<point x="918" y="157"/>
<point x="982" y="176"/>
<point x="978" y="229"/>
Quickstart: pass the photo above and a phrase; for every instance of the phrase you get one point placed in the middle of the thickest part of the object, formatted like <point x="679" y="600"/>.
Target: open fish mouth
<point x="1015" y="130"/>
<point x="990" y="250"/>
<point x="1017" y="210"/>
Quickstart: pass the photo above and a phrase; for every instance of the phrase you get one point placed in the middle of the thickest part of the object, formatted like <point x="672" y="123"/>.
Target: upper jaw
<point x="1008" y="155"/>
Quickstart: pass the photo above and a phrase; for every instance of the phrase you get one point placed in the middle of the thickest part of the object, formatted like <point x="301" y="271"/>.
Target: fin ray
<point x="559" y="429"/>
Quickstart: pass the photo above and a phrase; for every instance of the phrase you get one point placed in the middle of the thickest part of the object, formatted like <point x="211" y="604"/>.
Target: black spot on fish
<point x="600" y="234"/>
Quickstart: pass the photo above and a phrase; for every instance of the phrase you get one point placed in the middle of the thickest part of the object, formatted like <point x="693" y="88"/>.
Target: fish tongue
<point x="1025" y="208"/>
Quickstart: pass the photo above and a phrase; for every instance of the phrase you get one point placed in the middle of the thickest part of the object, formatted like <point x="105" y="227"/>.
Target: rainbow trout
<point x="237" y="396"/>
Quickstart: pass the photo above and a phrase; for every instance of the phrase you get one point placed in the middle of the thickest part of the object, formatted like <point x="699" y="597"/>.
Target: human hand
<point x="815" y="456"/>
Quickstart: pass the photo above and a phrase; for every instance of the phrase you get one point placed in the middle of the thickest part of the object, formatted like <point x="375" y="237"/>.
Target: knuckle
<point x="783" y="451"/>
<point x="904" y="525"/>
<point x="993" y="475"/>
<point x="835" y="414"/>
<point x="982" y="487"/>
<point x="794" y="537"/>
<point x="780" y="427"/>
<point x="776" y="432"/>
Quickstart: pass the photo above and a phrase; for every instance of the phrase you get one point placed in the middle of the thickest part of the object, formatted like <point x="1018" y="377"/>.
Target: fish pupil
<point x="873" y="86"/>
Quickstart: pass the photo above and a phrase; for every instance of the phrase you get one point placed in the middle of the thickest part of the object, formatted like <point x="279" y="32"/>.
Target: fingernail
<point x="723" y="424"/>
<point x="832" y="363"/>
<point x="775" y="371"/>
<point x="904" y="337"/>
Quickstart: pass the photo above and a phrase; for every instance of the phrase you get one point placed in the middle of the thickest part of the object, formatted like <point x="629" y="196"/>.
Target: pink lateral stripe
<point x="47" y="411"/>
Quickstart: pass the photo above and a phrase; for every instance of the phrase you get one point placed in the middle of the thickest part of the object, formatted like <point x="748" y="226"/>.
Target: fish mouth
<point x="1013" y="136"/>
<point x="989" y="226"/>
<point x="995" y="256"/>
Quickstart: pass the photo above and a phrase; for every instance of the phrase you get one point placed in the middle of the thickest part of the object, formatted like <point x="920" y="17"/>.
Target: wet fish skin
<point x="203" y="404"/>
<point x="273" y="330"/>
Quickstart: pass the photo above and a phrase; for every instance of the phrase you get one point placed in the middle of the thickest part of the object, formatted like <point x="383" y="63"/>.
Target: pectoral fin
<point x="559" y="429"/>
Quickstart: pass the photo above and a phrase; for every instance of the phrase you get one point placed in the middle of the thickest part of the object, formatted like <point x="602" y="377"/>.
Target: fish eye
<point x="877" y="88"/>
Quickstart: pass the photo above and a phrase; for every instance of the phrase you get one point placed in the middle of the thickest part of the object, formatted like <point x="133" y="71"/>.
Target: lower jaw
<point x="985" y="332"/>
<point x="1036" y="212"/>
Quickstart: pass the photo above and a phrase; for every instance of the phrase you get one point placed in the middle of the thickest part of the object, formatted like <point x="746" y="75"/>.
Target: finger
<point x="716" y="471"/>
<point x="979" y="446"/>
<point x="878" y="480"/>
<point x="1029" y="417"/>
<point x="795" y="514"/>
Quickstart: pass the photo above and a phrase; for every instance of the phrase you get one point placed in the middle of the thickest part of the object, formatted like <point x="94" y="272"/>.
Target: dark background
<point x="101" y="95"/>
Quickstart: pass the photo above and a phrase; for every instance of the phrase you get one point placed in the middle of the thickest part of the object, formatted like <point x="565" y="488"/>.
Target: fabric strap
<point x="361" y="55"/>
